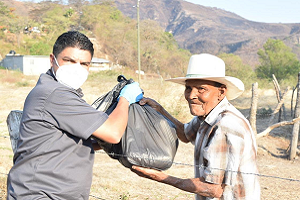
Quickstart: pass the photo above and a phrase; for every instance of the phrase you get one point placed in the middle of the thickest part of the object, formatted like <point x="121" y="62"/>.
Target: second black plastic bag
<point x="149" y="140"/>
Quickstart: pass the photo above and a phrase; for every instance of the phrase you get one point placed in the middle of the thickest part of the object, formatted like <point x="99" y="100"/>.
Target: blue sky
<point x="269" y="11"/>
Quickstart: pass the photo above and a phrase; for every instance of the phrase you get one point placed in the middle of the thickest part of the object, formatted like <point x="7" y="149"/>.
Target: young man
<point x="225" y="146"/>
<point x="55" y="156"/>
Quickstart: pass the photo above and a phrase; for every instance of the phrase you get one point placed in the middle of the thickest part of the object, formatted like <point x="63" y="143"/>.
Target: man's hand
<point x="132" y="93"/>
<point x="151" y="102"/>
<point x="152" y="174"/>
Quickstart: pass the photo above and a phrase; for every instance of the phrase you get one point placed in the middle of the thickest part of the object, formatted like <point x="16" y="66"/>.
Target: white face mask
<point x="72" y="75"/>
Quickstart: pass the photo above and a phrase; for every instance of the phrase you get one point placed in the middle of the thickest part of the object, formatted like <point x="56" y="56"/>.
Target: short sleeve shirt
<point x="225" y="152"/>
<point x="55" y="157"/>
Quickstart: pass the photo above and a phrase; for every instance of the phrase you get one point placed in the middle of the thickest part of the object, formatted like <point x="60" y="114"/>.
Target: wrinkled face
<point x="72" y="55"/>
<point x="203" y="96"/>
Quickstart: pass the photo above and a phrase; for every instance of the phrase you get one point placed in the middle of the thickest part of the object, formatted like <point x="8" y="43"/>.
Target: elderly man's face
<point x="203" y="96"/>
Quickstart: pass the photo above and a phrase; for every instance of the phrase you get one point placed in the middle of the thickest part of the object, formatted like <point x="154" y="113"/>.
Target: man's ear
<point x="52" y="60"/>
<point x="53" y="64"/>
<point x="222" y="91"/>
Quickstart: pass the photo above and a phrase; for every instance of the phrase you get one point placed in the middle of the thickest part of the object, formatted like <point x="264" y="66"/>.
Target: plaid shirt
<point x="225" y="152"/>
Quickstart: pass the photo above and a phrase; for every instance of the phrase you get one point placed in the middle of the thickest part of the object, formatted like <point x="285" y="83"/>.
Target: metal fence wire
<point x="285" y="187"/>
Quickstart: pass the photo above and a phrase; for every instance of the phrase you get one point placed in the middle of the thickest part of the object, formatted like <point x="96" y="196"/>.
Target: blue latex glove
<point x="132" y="93"/>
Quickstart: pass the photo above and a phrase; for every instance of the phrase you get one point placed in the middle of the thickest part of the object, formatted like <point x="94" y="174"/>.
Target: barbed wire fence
<point x="281" y="181"/>
<point x="202" y="166"/>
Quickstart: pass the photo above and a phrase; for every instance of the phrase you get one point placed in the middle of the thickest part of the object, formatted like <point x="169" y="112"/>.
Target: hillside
<point x="206" y="29"/>
<point x="202" y="29"/>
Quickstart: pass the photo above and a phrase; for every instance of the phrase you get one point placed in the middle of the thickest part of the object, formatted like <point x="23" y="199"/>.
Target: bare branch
<point x="270" y="128"/>
<point x="279" y="105"/>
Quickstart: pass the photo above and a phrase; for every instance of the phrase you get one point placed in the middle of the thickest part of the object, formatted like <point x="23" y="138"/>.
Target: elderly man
<point x="225" y="146"/>
<point x="55" y="154"/>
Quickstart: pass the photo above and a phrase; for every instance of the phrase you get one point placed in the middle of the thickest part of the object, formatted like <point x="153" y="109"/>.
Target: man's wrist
<point x="124" y="100"/>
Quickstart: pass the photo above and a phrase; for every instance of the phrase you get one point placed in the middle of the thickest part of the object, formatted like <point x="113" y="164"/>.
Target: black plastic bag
<point x="149" y="140"/>
<point x="109" y="101"/>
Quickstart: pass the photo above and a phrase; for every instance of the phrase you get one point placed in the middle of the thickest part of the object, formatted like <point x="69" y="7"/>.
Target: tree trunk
<point x="253" y="108"/>
<point x="279" y="96"/>
<point x="278" y="107"/>
<point x="294" y="139"/>
<point x="292" y="102"/>
<point x="292" y="108"/>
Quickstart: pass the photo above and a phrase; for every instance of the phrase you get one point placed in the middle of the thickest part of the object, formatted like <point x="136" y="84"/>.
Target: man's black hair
<point x="72" y="39"/>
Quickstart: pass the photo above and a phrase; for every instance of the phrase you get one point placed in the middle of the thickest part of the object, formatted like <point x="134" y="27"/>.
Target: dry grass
<point x="113" y="181"/>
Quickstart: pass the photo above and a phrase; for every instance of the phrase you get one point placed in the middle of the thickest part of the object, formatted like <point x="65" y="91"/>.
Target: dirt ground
<point x="279" y="177"/>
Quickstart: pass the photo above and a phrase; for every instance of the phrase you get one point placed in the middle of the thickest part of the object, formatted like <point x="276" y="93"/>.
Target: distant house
<point x="99" y="64"/>
<point x="35" y="65"/>
<point x="28" y="65"/>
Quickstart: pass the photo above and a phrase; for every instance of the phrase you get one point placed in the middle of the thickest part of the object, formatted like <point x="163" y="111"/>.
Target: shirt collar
<point x="214" y="113"/>
<point x="49" y="72"/>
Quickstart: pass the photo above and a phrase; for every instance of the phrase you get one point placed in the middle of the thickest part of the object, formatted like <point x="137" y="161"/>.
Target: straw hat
<point x="209" y="67"/>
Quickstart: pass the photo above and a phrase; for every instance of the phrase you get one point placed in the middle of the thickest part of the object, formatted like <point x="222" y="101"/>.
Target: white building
<point x="35" y="65"/>
<point x="28" y="65"/>
<point x="99" y="64"/>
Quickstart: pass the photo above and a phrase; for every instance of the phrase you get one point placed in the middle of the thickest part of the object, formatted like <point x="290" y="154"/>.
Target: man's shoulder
<point x="232" y="118"/>
<point x="46" y="87"/>
<point x="233" y="122"/>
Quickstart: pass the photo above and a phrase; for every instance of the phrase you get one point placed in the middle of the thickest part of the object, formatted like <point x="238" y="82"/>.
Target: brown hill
<point x="21" y="8"/>
<point x="206" y="29"/>
<point x="202" y="29"/>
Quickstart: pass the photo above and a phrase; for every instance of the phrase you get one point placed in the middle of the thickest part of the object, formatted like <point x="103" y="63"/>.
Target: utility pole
<point x="80" y="16"/>
<point x="138" y="38"/>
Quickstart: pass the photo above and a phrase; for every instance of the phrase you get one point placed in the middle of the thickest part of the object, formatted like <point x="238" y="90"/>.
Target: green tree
<point x="8" y="19"/>
<point x="4" y="10"/>
<point x="278" y="59"/>
<point x="69" y="13"/>
<point x="236" y="68"/>
<point x="55" y="22"/>
<point x="168" y="41"/>
<point x="104" y="2"/>
<point x="40" y="48"/>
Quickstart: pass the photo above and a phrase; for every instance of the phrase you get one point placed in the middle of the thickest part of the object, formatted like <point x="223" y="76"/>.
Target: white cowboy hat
<point x="209" y="67"/>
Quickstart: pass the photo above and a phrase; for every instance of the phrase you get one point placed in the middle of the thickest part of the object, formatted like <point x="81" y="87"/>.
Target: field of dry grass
<point x="113" y="181"/>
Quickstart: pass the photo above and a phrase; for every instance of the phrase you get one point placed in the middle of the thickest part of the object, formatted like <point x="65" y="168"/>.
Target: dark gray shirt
<point x="55" y="157"/>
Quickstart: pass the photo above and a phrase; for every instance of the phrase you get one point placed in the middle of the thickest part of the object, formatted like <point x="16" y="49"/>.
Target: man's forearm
<point x="195" y="185"/>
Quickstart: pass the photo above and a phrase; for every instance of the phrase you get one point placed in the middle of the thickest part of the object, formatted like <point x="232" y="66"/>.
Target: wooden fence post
<point x="292" y="108"/>
<point x="279" y="97"/>
<point x="292" y="102"/>
<point x="253" y="108"/>
<point x="294" y="139"/>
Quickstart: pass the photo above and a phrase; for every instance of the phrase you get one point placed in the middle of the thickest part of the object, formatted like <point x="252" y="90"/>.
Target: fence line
<point x="4" y="174"/>
<point x="202" y="166"/>
<point x="189" y="165"/>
